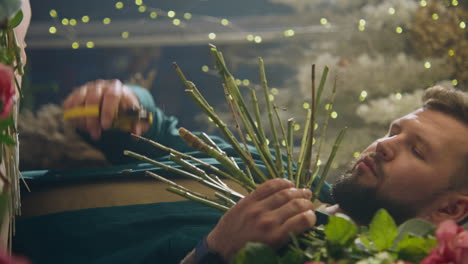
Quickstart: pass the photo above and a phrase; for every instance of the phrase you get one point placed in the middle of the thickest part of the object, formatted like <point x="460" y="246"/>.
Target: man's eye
<point x="417" y="153"/>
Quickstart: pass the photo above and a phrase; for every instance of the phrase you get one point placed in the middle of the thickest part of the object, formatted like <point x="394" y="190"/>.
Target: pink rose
<point x="7" y="90"/>
<point x="452" y="246"/>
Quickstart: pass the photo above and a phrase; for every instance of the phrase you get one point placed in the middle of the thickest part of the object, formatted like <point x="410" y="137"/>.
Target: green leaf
<point x="255" y="253"/>
<point x="383" y="230"/>
<point x="293" y="256"/>
<point x="414" y="249"/>
<point x="6" y="139"/>
<point x="16" y="20"/>
<point x="340" y="231"/>
<point x="7" y="122"/>
<point x="416" y="227"/>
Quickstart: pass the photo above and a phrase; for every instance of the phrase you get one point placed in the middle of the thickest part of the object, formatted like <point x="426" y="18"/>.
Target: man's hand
<point x="110" y="95"/>
<point x="267" y="215"/>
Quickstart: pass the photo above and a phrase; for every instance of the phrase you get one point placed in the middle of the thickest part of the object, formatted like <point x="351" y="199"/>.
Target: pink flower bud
<point x="7" y="90"/>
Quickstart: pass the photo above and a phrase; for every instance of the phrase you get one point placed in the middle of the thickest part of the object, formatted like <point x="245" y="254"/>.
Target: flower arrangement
<point x="11" y="69"/>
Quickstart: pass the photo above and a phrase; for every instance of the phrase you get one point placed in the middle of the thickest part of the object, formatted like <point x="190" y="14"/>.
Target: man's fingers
<point x="269" y="187"/>
<point x="76" y="99"/>
<point x="93" y="97"/>
<point x="110" y="103"/>
<point x="300" y="222"/>
<point x="292" y="208"/>
<point x="284" y="196"/>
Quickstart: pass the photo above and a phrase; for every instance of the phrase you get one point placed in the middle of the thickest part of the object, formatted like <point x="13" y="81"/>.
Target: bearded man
<point x="418" y="169"/>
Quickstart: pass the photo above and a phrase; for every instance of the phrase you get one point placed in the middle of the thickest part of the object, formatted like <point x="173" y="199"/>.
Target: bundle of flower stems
<point x="279" y="161"/>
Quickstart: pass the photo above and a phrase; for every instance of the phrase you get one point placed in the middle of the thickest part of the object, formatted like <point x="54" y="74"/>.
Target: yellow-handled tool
<point x="123" y="120"/>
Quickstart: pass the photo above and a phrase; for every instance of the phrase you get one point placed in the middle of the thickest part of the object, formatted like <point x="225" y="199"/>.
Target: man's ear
<point x="454" y="207"/>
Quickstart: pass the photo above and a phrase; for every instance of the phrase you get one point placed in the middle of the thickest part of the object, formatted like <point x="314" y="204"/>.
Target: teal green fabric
<point x="152" y="233"/>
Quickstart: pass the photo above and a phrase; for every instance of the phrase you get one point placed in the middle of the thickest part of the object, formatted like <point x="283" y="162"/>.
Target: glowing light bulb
<point x="52" y="30"/>
<point x="53" y="13"/>
<point x="119" y="5"/>
<point x="289" y="33"/>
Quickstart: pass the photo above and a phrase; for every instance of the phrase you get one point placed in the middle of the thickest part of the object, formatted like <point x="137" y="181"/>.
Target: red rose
<point x="452" y="245"/>
<point x="7" y="90"/>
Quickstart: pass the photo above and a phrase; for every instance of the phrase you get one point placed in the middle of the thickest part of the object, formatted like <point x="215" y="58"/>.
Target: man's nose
<point x="385" y="148"/>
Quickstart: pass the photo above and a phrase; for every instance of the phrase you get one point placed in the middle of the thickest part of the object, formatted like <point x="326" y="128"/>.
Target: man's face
<point x="408" y="169"/>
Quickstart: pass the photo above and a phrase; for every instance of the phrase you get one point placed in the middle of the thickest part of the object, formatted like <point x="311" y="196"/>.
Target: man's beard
<point x="361" y="202"/>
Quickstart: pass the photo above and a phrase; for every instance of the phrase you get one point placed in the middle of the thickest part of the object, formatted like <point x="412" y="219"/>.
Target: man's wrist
<point x="205" y="255"/>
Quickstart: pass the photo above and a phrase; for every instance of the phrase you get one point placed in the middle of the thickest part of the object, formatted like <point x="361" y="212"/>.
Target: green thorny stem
<point x="322" y="135"/>
<point x="199" y="99"/>
<point x="306" y="169"/>
<point x="253" y="131"/>
<point x="246" y="186"/>
<point x="209" y="184"/>
<point x="276" y="143"/>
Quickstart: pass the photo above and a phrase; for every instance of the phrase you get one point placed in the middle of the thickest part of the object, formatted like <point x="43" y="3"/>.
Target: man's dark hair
<point x="447" y="100"/>
<point x="454" y="103"/>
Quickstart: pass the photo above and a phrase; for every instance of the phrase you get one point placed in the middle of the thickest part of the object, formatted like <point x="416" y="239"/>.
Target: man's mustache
<point x="375" y="160"/>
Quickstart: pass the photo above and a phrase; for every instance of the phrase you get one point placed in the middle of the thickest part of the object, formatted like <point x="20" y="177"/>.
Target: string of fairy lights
<point x="180" y="19"/>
